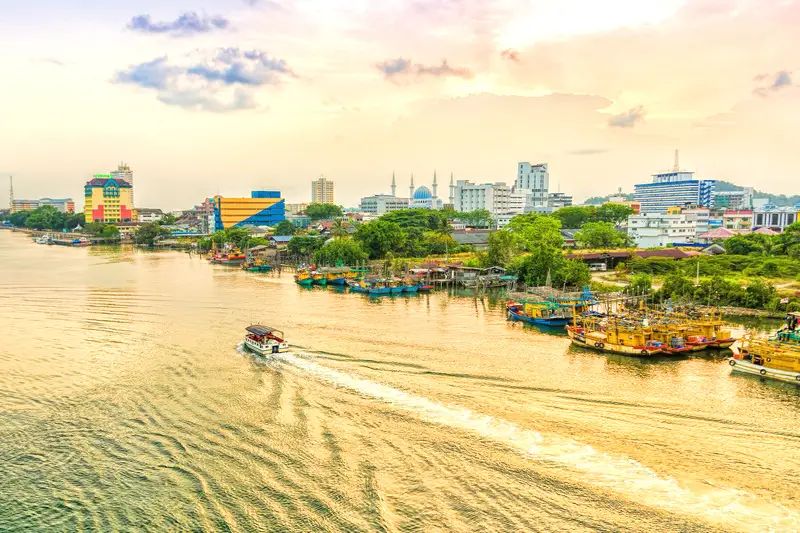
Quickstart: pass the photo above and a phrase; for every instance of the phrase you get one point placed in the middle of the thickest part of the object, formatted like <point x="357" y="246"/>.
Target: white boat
<point x="44" y="239"/>
<point x="760" y="358"/>
<point x="265" y="340"/>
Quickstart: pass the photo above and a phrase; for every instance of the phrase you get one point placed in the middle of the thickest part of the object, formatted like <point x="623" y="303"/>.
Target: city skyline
<point x="231" y="97"/>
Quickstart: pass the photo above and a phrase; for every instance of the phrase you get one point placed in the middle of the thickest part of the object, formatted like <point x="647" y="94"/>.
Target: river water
<point x="125" y="405"/>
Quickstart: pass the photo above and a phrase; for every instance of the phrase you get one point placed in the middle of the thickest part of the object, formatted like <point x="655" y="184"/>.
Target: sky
<point x="205" y="97"/>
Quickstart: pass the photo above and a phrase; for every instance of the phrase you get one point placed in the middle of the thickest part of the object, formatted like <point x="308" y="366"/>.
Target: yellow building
<point x="108" y="200"/>
<point x="322" y="191"/>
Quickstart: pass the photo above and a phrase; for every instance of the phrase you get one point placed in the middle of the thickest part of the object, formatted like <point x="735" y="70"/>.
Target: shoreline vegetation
<point x="758" y="273"/>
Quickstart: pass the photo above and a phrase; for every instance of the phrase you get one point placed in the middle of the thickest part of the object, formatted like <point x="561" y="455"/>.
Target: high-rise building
<point x="322" y="191"/>
<point x="263" y="208"/>
<point x="124" y="172"/>
<point x="65" y="205"/>
<point x="108" y="200"/>
<point x="671" y="189"/>
<point x="735" y="200"/>
<point x="533" y="180"/>
<point x="382" y="203"/>
<point x="501" y="200"/>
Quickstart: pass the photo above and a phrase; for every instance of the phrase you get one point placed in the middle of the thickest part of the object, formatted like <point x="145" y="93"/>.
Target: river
<point x="126" y="405"/>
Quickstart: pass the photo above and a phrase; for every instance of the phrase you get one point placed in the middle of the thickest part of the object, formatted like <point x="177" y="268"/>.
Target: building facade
<point x="263" y="208"/>
<point x="672" y="189"/>
<point x="533" y="180"/>
<point x="65" y="205"/>
<point x="501" y="200"/>
<point x="322" y="191"/>
<point x="108" y="200"/>
<point x="650" y="230"/>
<point x="738" y="220"/>
<point x="380" y="204"/>
<point x="557" y="200"/>
<point x="124" y="172"/>
<point x="775" y="218"/>
<point x="146" y="214"/>
<point x="295" y="209"/>
<point x="735" y="200"/>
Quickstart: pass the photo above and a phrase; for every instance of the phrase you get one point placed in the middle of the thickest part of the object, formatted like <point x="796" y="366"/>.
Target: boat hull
<point x="410" y="288"/>
<point x="745" y="367"/>
<point x="266" y="349"/>
<point x="538" y="321"/>
<point x="714" y="344"/>
<point x="304" y="282"/>
<point x="337" y="281"/>
<point x="605" y="347"/>
<point x="396" y="290"/>
<point x="379" y="291"/>
<point x="320" y="281"/>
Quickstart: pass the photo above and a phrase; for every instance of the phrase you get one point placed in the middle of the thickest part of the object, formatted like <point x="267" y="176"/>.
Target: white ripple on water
<point x="732" y="507"/>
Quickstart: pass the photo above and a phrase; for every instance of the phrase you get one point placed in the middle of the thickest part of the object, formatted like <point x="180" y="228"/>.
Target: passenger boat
<point x="265" y="340"/>
<point x="634" y="341"/>
<point x="303" y="277"/>
<point x="410" y="286"/>
<point x="766" y="359"/>
<point x="541" y="313"/>
<point x="319" y="278"/>
<point x="230" y="259"/>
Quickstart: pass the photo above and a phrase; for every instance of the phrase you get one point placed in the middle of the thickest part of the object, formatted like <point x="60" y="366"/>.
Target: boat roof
<point x="257" y="329"/>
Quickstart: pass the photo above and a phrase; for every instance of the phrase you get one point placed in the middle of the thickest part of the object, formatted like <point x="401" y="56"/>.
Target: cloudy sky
<point x="222" y="96"/>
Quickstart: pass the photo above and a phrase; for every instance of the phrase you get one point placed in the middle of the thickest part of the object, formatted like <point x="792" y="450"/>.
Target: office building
<point x="653" y="229"/>
<point x="735" y="200"/>
<point x="533" y="180"/>
<point x="322" y="191"/>
<point x="124" y="172"/>
<point x="670" y="189"/>
<point x="557" y="200"/>
<point x="295" y="209"/>
<point x="701" y="217"/>
<point x="263" y="208"/>
<point x="65" y="205"/>
<point x="501" y="200"/>
<point x="775" y="218"/>
<point x="381" y="204"/>
<point x="108" y="200"/>
<point x="740" y="220"/>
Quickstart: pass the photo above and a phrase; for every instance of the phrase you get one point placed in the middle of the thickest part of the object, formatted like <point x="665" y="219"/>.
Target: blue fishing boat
<point x="395" y="286"/>
<point x="379" y="287"/>
<point x="409" y="286"/>
<point x="540" y="313"/>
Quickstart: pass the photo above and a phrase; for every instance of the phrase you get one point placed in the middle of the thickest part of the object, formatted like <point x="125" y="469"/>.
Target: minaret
<point x="394" y="186"/>
<point x="434" y="190"/>
<point x="452" y="191"/>
<point x="411" y="190"/>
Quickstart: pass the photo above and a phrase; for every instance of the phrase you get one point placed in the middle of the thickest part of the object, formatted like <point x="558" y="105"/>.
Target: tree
<point x="677" y="285"/>
<point x="285" y="228"/>
<point x="148" y="233"/>
<point x="613" y="213"/>
<point x="45" y="217"/>
<point x="422" y="219"/>
<point x="110" y="231"/>
<point x="346" y="251"/>
<point x="503" y="246"/>
<point x="18" y="219"/>
<point x="575" y="216"/>
<point x="536" y="231"/>
<point x="438" y="243"/>
<point x="317" y="211"/>
<point x="168" y="220"/>
<point x="640" y="284"/>
<point x="758" y="294"/>
<point x="73" y="220"/>
<point x="480" y="218"/>
<point x="380" y="237"/>
<point x="600" y="235"/>
<point x="300" y="245"/>
<point x="572" y="273"/>
<point x="339" y="228"/>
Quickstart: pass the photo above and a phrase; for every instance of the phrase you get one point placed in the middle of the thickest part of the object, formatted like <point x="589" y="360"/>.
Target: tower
<point x="11" y="194"/>
<point x="434" y="190"/>
<point x="124" y="172"/>
<point x="394" y="185"/>
<point x="411" y="188"/>
<point x="452" y="190"/>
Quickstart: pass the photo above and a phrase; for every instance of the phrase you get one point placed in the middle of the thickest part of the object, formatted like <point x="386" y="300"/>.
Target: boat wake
<point x="722" y="506"/>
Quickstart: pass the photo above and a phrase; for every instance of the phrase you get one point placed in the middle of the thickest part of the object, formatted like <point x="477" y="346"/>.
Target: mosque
<point x="422" y="196"/>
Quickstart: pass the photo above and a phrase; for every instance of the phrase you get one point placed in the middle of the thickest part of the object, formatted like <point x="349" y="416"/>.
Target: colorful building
<point x="65" y="205"/>
<point x="108" y="200"/>
<point x="263" y="208"/>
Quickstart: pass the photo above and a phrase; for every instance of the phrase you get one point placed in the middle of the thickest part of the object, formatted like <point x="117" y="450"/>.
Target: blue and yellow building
<point x="263" y="208"/>
<point x="108" y="200"/>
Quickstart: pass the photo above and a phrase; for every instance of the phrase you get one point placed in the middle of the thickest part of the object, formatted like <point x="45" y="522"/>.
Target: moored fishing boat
<point x="637" y="345"/>
<point x="541" y="313"/>
<point x="230" y="259"/>
<point x="766" y="359"/>
<point x="319" y="278"/>
<point x="265" y="340"/>
<point x="303" y="277"/>
<point x="336" y="276"/>
<point x="395" y="286"/>
<point x="410" y="285"/>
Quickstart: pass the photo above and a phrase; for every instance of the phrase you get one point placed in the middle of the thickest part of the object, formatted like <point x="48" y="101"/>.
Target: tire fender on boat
<point x="798" y="378"/>
<point x="769" y="360"/>
<point x="763" y="372"/>
<point x="732" y="362"/>
<point x="644" y="352"/>
<point x="599" y="345"/>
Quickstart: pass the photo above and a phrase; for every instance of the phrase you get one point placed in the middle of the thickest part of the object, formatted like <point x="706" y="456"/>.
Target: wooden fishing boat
<point x="767" y="359"/>
<point x="410" y="285"/>
<point x="264" y="340"/>
<point x="319" y="278"/>
<point x="540" y="313"/>
<point x="230" y="259"/>
<point x="379" y="287"/>
<point x="303" y="277"/>
<point x="634" y="345"/>
<point x="395" y="286"/>
<point x="336" y="276"/>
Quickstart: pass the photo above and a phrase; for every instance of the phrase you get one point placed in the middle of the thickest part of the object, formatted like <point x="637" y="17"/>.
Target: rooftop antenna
<point x="677" y="166"/>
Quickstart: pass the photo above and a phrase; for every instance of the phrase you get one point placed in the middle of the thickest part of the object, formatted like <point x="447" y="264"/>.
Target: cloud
<point x="511" y="55"/>
<point x="771" y="83"/>
<point x="627" y="119"/>
<point x="190" y="23"/>
<point x="392" y="68"/>
<point x="226" y="80"/>
<point x="51" y="61"/>
<point x="269" y="4"/>
<point x="588" y="151"/>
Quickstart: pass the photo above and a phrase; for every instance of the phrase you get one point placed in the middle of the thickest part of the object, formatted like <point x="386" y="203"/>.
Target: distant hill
<point x="721" y="186"/>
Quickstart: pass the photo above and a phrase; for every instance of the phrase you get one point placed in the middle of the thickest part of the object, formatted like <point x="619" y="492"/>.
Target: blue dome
<point x="422" y="193"/>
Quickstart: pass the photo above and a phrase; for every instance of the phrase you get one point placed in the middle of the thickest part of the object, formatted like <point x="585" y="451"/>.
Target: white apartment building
<point x="534" y="180"/>
<point x="738" y="220"/>
<point x="501" y="200"/>
<point x="735" y="200"/>
<point x="322" y="191"/>
<point x="701" y="217"/>
<point x="649" y="230"/>
<point x="382" y="203"/>
<point x="146" y="214"/>
<point x="124" y="172"/>
<point x="557" y="200"/>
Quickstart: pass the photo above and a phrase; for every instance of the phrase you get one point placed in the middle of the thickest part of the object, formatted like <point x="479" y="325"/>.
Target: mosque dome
<point x="422" y="193"/>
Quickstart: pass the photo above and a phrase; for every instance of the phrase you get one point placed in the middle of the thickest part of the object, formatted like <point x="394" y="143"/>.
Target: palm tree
<point x="339" y="228"/>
